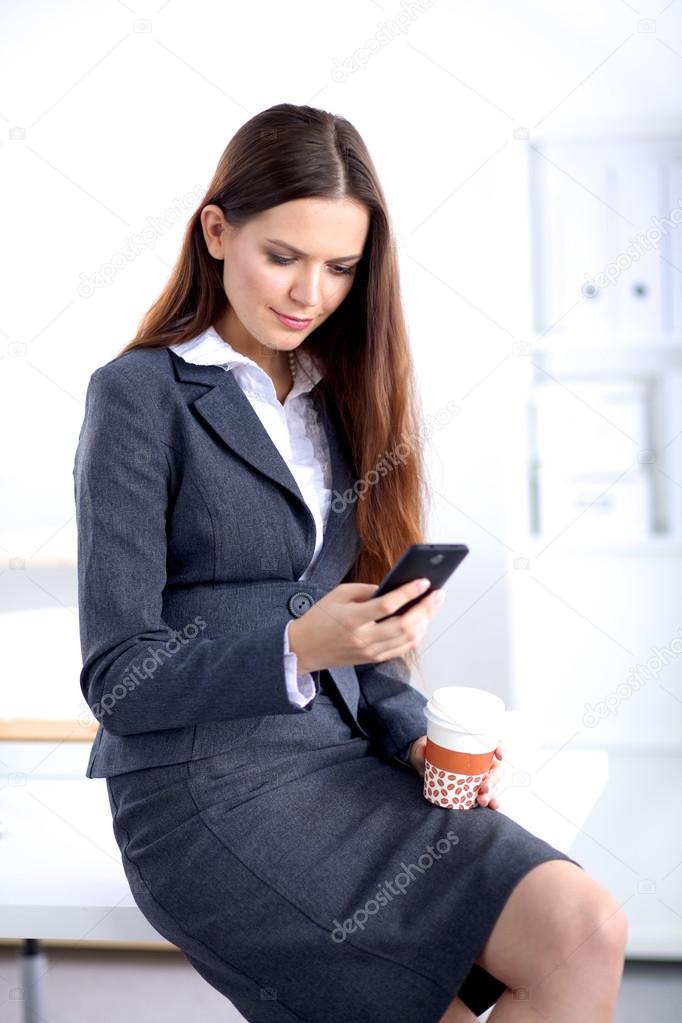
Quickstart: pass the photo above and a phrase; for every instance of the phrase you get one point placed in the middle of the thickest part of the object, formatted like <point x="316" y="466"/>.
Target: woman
<point x="262" y="744"/>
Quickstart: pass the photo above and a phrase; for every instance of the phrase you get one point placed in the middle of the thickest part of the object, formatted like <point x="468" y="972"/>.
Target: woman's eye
<point x="280" y="260"/>
<point x="340" y="271"/>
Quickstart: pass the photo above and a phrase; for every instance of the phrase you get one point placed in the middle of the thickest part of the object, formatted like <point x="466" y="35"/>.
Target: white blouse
<point x="295" y="429"/>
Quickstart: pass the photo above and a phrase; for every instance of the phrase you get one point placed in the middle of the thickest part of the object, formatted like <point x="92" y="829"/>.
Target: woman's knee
<point x="554" y="913"/>
<point x="600" y="922"/>
<point x="458" y="1012"/>
<point x="588" y="915"/>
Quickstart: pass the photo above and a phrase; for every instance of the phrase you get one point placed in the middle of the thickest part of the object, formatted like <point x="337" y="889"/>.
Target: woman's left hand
<point x="492" y="779"/>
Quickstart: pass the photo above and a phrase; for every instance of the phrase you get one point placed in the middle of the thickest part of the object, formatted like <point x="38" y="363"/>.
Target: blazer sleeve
<point x="122" y="476"/>
<point x="394" y="706"/>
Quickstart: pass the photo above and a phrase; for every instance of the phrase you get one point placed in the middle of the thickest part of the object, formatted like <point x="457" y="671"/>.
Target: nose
<point x="305" y="290"/>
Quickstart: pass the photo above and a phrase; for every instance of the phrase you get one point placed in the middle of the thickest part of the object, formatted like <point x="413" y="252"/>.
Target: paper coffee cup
<point x="463" y="730"/>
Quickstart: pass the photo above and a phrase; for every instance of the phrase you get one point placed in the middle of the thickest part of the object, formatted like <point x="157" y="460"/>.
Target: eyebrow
<point x="292" y="248"/>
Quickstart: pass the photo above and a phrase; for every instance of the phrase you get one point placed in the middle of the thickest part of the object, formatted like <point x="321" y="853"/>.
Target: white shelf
<point x="566" y="343"/>
<point x="647" y="546"/>
<point x="50" y="544"/>
<point x="601" y="128"/>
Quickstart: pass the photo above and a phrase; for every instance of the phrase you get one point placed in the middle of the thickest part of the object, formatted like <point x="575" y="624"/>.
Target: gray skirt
<point x="306" y="878"/>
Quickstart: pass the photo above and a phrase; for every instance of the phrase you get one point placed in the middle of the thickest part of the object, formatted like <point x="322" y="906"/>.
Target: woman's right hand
<point x="341" y="628"/>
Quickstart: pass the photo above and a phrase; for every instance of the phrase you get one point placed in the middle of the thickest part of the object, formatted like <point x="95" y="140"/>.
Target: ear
<point x="214" y="227"/>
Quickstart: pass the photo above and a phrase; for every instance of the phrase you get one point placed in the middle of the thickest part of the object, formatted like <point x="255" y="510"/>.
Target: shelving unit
<point x="596" y="600"/>
<point x="606" y="211"/>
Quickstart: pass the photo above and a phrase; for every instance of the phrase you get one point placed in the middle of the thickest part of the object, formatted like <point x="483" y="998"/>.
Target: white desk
<point x="61" y="875"/>
<point x="60" y="868"/>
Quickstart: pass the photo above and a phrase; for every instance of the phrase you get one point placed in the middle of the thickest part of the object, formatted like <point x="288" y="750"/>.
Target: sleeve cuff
<point x="300" y="689"/>
<point x="402" y="754"/>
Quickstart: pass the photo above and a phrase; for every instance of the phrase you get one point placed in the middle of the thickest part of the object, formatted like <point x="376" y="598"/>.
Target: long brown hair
<point x="291" y="152"/>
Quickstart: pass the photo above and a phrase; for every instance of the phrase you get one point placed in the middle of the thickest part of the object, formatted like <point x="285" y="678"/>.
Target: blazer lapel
<point x="340" y="536"/>
<point x="229" y="413"/>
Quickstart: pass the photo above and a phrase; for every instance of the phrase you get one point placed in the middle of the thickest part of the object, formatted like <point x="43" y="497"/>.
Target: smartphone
<point x="433" y="561"/>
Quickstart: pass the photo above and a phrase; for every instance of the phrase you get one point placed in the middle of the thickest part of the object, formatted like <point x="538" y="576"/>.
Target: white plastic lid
<point x="467" y="708"/>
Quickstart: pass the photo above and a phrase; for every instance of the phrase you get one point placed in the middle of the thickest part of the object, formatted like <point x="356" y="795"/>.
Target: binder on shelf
<point x="669" y="457"/>
<point x="591" y="426"/>
<point x="596" y="507"/>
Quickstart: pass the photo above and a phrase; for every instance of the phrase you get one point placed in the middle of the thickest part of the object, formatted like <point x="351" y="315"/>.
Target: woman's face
<point x="261" y="274"/>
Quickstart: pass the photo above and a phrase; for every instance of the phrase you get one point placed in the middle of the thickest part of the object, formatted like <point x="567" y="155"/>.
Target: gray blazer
<point x="192" y="536"/>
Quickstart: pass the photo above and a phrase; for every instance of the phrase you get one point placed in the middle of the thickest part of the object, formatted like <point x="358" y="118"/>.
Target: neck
<point x="271" y="360"/>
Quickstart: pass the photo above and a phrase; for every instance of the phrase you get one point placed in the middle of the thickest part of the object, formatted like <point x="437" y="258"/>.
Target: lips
<point x="288" y="316"/>
<point x="290" y="323"/>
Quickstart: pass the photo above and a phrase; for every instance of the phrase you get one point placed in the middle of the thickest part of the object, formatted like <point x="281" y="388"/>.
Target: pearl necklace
<point x="292" y="365"/>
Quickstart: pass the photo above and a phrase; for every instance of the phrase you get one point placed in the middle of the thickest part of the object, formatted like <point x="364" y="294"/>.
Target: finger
<point x="491" y="781"/>
<point x="396" y="646"/>
<point x="494" y="783"/>
<point x="389" y="603"/>
<point x="424" y="610"/>
<point x="399" y="640"/>
<point x="402" y="632"/>
<point x="489" y="786"/>
<point x="487" y="778"/>
<point x="360" y="592"/>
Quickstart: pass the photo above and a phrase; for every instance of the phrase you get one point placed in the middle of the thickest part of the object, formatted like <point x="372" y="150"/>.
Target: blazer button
<point x="299" y="603"/>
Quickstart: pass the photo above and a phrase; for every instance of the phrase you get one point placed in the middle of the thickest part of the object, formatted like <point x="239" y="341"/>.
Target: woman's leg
<point x="559" y="946"/>
<point x="458" y="1012"/>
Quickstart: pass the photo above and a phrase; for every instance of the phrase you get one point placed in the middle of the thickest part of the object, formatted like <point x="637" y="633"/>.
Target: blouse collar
<point x="210" y="349"/>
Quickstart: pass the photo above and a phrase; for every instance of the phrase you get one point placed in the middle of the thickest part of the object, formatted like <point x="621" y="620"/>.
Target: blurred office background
<point x="532" y="160"/>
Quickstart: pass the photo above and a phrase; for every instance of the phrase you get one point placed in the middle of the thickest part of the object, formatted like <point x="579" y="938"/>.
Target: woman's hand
<point x="341" y="628"/>
<point x="490" y="782"/>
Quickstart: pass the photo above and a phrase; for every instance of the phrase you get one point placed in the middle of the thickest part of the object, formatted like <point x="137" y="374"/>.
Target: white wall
<point x="117" y="131"/>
